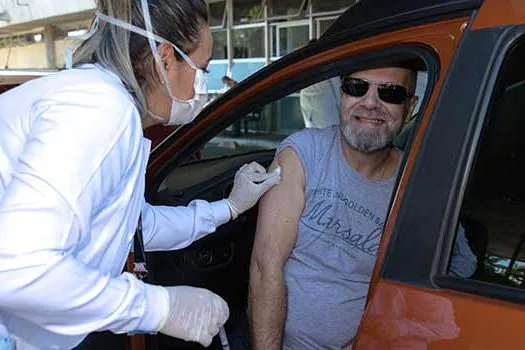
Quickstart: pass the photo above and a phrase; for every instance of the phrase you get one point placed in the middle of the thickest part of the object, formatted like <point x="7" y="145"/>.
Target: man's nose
<point x="371" y="98"/>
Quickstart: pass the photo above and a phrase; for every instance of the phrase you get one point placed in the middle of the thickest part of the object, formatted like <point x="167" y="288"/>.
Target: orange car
<point x="464" y="163"/>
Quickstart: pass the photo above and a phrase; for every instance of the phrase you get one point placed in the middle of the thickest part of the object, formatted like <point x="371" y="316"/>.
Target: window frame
<point x="308" y="77"/>
<point x="224" y="13"/>
<point x="504" y="292"/>
<point x="299" y="12"/>
<point x="311" y="11"/>
<point x="276" y="28"/>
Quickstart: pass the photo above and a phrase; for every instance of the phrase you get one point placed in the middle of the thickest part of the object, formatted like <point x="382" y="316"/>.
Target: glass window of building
<point x="217" y="13"/>
<point x="290" y="37"/>
<point x="248" y="42"/>
<point x="220" y="44"/>
<point x="323" y="24"/>
<point x="284" y="8"/>
<point x="247" y="11"/>
<point x="321" y="6"/>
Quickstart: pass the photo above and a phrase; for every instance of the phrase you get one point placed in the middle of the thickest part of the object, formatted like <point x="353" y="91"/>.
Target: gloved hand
<point x="250" y="183"/>
<point x="195" y="314"/>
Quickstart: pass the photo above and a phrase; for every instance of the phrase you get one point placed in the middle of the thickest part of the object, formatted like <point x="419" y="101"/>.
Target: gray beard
<point x="368" y="141"/>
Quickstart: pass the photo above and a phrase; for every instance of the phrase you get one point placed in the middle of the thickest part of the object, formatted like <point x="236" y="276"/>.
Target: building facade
<point x="248" y="34"/>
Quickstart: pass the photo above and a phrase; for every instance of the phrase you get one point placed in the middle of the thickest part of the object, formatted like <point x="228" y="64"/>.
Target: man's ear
<point x="411" y="105"/>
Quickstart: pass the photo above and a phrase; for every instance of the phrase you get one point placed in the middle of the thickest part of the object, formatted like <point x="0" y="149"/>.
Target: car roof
<point x="367" y="13"/>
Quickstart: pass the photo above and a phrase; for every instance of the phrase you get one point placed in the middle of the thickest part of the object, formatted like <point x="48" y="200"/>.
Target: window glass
<point x="315" y="106"/>
<point x="262" y="129"/>
<point x="290" y="39"/>
<point x="247" y="11"/>
<point x="218" y="69"/>
<point x="319" y="6"/>
<point x="493" y="210"/>
<point x="243" y="68"/>
<point x="280" y="8"/>
<point x="217" y="11"/>
<point x="248" y="42"/>
<point x="220" y="45"/>
<point x="324" y="24"/>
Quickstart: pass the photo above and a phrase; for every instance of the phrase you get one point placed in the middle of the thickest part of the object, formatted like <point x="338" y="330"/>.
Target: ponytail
<point x="127" y="54"/>
<point x="110" y="46"/>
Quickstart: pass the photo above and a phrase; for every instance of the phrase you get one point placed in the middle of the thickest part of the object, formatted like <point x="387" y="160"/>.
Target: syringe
<point x="224" y="339"/>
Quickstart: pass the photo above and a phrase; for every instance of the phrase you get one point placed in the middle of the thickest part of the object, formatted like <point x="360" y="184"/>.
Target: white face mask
<point x="182" y="111"/>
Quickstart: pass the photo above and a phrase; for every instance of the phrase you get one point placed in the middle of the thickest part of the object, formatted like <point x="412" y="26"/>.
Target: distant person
<point x="229" y="82"/>
<point x="320" y="103"/>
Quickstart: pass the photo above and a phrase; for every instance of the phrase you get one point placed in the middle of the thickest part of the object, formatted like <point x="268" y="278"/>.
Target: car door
<point x="467" y="171"/>
<point x="201" y="159"/>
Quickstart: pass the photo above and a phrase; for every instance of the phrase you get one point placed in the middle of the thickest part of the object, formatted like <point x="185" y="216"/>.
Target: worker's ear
<point x="167" y="56"/>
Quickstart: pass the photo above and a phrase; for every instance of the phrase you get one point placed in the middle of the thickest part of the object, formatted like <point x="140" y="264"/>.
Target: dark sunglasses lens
<point x="395" y="94"/>
<point x="355" y="87"/>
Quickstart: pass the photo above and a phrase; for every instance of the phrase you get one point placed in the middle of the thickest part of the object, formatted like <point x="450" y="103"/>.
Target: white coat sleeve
<point x="169" y="228"/>
<point x="45" y="214"/>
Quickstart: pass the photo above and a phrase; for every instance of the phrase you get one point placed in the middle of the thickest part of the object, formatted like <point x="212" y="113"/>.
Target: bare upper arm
<point x="279" y="213"/>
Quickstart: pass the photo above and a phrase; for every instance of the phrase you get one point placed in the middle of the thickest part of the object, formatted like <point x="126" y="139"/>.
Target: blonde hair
<point x="127" y="54"/>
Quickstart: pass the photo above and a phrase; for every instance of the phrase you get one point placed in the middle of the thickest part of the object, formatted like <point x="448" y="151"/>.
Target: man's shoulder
<point x="309" y="135"/>
<point x="309" y="144"/>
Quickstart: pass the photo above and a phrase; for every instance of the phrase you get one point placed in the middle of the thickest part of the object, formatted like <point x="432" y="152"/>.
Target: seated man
<point x="319" y="231"/>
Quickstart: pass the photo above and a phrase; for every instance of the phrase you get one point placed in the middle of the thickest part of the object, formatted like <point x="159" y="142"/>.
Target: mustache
<point x="373" y="113"/>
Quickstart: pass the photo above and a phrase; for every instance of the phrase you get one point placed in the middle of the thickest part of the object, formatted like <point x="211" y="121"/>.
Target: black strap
<point x="139" y="253"/>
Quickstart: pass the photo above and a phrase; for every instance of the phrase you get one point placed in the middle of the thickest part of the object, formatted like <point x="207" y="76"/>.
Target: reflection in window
<point x="217" y="13"/>
<point x="248" y="43"/>
<point x="291" y="39"/>
<point x="247" y="11"/>
<point x="493" y="211"/>
<point x="220" y="45"/>
<point x="280" y="8"/>
<point x="319" y="6"/>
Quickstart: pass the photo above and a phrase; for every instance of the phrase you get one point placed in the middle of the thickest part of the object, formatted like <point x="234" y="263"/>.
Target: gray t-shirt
<point x="328" y="272"/>
<point x="329" y="269"/>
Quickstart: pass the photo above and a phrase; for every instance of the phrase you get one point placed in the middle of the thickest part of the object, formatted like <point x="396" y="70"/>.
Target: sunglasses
<point x="387" y="92"/>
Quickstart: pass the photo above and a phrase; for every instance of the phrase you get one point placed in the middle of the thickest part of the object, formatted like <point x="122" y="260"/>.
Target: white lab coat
<point x="72" y="166"/>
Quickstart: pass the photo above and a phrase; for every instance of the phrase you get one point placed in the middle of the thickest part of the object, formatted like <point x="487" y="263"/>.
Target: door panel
<point x="415" y="304"/>
<point x="218" y="262"/>
<point x="406" y="317"/>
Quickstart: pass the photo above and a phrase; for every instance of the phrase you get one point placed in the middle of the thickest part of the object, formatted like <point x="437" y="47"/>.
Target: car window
<point x="262" y="129"/>
<point x="315" y="106"/>
<point x="493" y="209"/>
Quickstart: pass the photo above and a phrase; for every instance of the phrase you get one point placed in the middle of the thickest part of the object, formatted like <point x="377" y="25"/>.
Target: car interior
<point x="220" y="262"/>
<point x="494" y="203"/>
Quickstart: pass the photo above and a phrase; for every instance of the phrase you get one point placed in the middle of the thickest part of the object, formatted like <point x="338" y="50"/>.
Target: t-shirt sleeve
<point x="302" y="143"/>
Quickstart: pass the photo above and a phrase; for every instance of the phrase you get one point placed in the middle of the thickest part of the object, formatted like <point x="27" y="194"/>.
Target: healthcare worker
<point x="72" y="177"/>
